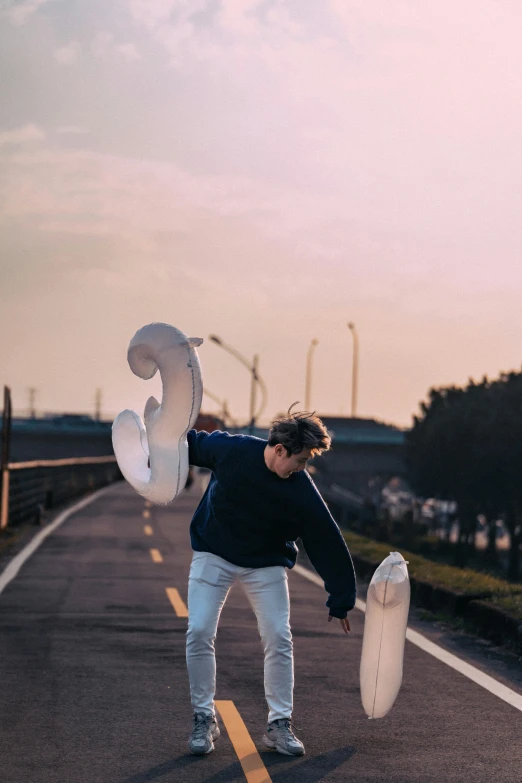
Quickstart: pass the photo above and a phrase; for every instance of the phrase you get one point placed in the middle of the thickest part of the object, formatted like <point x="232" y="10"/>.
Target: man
<point x="260" y="499"/>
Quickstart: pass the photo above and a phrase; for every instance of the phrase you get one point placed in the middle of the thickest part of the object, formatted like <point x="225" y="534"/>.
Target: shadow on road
<point x="308" y="769"/>
<point x="175" y="765"/>
<point x="282" y="769"/>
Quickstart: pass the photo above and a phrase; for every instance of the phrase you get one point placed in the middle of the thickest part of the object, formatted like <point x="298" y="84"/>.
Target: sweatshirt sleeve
<point x="208" y="450"/>
<point x="328" y="553"/>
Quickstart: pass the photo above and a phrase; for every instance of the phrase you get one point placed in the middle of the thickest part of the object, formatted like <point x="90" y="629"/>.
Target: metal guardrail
<point x="31" y="488"/>
<point x="345" y="506"/>
<point x="4" y="455"/>
<point x="28" y="489"/>
<point x="350" y="499"/>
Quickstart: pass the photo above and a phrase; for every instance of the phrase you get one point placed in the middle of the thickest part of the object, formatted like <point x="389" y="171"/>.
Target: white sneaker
<point x="279" y="736"/>
<point x="205" y="730"/>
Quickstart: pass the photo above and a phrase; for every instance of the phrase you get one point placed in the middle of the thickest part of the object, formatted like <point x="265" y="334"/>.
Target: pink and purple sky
<point x="265" y="171"/>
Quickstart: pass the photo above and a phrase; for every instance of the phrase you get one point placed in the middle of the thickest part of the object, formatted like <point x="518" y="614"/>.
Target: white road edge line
<point x="11" y="570"/>
<point x="471" y="672"/>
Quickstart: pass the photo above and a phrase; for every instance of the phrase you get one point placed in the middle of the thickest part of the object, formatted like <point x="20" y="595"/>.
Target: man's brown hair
<point x="298" y="431"/>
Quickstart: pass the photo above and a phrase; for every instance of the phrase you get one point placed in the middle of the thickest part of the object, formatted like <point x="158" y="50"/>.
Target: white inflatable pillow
<point x="385" y="623"/>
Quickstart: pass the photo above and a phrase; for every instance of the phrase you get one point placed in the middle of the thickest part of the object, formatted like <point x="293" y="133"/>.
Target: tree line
<point x="466" y="446"/>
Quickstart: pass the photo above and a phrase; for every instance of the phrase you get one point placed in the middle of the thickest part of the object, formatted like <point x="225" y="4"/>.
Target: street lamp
<point x="309" y="374"/>
<point x="256" y="378"/>
<point x="224" y="408"/>
<point x="355" y="364"/>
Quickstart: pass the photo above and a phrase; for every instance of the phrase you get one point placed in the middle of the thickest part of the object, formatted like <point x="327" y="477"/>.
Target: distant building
<point x="208" y="422"/>
<point x="365" y="455"/>
<point x="55" y="436"/>
<point x="59" y="435"/>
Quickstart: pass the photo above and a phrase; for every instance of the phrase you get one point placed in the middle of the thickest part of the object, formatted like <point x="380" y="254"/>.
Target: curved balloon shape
<point x="161" y="437"/>
<point x="385" y="622"/>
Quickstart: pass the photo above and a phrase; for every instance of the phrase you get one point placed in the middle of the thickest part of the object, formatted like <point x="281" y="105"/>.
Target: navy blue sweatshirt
<point x="252" y="517"/>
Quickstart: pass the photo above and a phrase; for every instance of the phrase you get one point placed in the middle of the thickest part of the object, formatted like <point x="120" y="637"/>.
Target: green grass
<point x="462" y="580"/>
<point x="7" y="539"/>
<point x="508" y="603"/>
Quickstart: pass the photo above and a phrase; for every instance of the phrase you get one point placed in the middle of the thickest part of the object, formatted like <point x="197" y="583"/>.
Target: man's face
<point x="284" y="465"/>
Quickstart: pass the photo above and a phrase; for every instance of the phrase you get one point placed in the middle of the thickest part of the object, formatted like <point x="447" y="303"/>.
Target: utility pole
<point x="97" y="405"/>
<point x="355" y="366"/>
<point x="256" y="378"/>
<point x="32" y="407"/>
<point x="225" y="413"/>
<point x="253" y="394"/>
<point x="308" y="387"/>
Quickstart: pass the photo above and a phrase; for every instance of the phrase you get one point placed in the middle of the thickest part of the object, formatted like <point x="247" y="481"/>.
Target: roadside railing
<point x="31" y="488"/>
<point x="345" y="506"/>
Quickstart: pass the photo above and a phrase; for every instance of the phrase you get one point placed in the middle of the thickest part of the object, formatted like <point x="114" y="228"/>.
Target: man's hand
<point x="345" y="625"/>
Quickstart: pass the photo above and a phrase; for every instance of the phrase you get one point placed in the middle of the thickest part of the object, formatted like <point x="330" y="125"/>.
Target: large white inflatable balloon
<point x="162" y="436"/>
<point x="385" y="622"/>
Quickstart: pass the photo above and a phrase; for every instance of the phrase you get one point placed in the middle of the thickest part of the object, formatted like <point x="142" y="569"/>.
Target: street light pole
<point x="308" y="386"/>
<point x="355" y="366"/>
<point x="253" y="395"/>
<point x="256" y="378"/>
<point x="98" y="405"/>
<point x="225" y="414"/>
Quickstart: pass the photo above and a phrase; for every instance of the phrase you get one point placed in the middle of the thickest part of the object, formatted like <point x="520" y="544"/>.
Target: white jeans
<point x="210" y="580"/>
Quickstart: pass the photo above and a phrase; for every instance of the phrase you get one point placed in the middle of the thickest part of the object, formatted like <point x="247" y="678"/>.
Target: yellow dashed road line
<point x="177" y="602"/>
<point x="146" y="513"/>
<point x="156" y="555"/>
<point x="254" y="769"/>
<point x="147" y="530"/>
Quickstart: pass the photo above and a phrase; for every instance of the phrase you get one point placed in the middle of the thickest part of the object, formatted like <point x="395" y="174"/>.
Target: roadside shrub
<point x="461" y="580"/>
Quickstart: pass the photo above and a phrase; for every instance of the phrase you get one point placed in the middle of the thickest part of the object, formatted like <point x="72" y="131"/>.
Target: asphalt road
<point x="93" y="684"/>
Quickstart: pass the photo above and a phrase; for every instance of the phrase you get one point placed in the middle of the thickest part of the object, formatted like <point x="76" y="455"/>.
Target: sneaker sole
<point x="274" y="746"/>
<point x="201" y="752"/>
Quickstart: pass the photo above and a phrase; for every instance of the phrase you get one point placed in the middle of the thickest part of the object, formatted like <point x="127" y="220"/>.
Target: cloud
<point x="151" y="13"/>
<point x="128" y="51"/>
<point x="104" y="44"/>
<point x="76" y="130"/>
<point x="22" y="135"/>
<point x="201" y="30"/>
<point x="234" y="231"/>
<point x="88" y="191"/>
<point x="19" y="12"/>
<point x="68" y="54"/>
